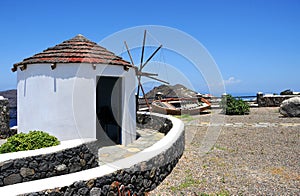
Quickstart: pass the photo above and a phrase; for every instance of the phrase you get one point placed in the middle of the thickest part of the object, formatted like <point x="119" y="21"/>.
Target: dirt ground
<point x="255" y="154"/>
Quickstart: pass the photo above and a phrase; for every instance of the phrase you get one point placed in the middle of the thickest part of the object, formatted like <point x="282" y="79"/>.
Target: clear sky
<point x="255" y="43"/>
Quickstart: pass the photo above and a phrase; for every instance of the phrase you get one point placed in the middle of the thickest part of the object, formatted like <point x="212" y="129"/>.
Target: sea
<point x="12" y="116"/>
<point x="245" y="96"/>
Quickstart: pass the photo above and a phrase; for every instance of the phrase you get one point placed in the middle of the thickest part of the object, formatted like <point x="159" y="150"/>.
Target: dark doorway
<point x="108" y="108"/>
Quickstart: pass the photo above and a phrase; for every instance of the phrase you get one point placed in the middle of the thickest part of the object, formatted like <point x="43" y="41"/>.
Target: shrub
<point x="30" y="141"/>
<point x="232" y="106"/>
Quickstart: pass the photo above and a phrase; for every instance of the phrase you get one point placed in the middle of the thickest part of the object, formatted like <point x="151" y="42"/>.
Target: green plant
<point x="232" y="106"/>
<point x="30" y="141"/>
<point x="189" y="181"/>
<point x="221" y="193"/>
<point x="185" y="117"/>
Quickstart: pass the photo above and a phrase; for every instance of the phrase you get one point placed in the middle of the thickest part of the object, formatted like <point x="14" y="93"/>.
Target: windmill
<point x="139" y="70"/>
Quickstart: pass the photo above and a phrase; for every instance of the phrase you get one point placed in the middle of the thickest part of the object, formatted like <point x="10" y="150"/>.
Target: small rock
<point x="43" y="167"/>
<point x="127" y="179"/>
<point x="290" y="107"/>
<point x="12" y="179"/>
<point x="95" y="191"/>
<point x="147" y="183"/>
<point x="19" y="163"/>
<point x="153" y="186"/>
<point x="83" y="191"/>
<point x="33" y="164"/>
<point x="111" y="193"/>
<point x="79" y="184"/>
<point x="75" y="168"/>
<point x="59" y="156"/>
<point x="152" y="172"/>
<point x="133" y="179"/>
<point x="105" y="189"/>
<point x="61" y="167"/>
<point x="82" y="162"/>
<point x="90" y="183"/>
<point x="139" y="181"/>
<point x="25" y="172"/>
<point x="92" y="160"/>
<point x="7" y="165"/>
<point x="74" y="159"/>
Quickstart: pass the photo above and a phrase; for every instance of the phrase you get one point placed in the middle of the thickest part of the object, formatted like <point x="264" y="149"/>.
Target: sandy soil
<point x="256" y="154"/>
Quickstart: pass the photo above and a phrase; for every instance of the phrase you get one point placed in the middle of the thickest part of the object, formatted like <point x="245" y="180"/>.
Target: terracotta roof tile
<point x="76" y="50"/>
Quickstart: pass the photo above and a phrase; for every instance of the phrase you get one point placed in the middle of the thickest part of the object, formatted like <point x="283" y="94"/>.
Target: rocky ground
<point x="256" y="154"/>
<point x="177" y="90"/>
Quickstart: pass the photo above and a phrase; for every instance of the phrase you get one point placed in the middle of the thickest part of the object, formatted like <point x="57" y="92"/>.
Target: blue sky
<point x="255" y="43"/>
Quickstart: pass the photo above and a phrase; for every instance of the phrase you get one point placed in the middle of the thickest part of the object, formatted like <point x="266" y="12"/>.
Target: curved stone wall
<point x="136" y="175"/>
<point x="136" y="180"/>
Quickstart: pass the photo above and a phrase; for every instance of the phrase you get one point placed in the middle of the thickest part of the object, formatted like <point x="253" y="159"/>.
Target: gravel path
<point x="256" y="154"/>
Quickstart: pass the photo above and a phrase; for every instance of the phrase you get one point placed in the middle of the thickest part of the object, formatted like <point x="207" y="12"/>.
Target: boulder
<point x="290" y="107"/>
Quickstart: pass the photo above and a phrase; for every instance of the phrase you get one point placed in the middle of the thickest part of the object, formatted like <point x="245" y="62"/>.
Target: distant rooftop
<point x="76" y="50"/>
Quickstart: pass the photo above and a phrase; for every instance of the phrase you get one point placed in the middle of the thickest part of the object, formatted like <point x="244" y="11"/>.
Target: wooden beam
<point x="144" y="95"/>
<point x="15" y="68"/>
<point x="143" y="49"/>
<point x="158" y="79"/>
<point x="146" y="74"/>
<point x="53" y="66"/>
<point x="24" y="67"/>
<point x="129" y="53"/>
<point x="151" y="56"/>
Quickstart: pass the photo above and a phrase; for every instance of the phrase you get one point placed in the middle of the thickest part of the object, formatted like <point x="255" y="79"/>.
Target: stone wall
<point x="272" y="100"/>
<point x="85" y="157"/>
<point x="43" y="166"/>
<point x="163" y="125"/>
<point x="4" y="119"/>
<point x="136" y="180"/>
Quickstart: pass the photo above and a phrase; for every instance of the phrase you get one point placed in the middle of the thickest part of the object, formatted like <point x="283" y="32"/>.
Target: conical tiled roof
<point x="76" y="50"/>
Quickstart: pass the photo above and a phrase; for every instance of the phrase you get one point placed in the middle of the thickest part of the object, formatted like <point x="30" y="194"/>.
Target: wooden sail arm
<point x="129" y="53"/>
<point x="157" y="79"/>
<point x="144" y="95"/>
<point x="143" y="49"/>
<point x="147" y="61"/>
<point x="146" y="74"/>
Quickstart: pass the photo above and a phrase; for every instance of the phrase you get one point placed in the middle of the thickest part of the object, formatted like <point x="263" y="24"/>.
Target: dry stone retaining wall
<point x="271" y="101"/>
<point x="43" y="166"/>
<point x="136" y="180"/>
<point x="140" y="178"/>
<point x="4" y="118"/>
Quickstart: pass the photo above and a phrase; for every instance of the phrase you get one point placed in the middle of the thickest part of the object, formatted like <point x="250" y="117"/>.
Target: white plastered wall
<point x="62" y="101"/>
